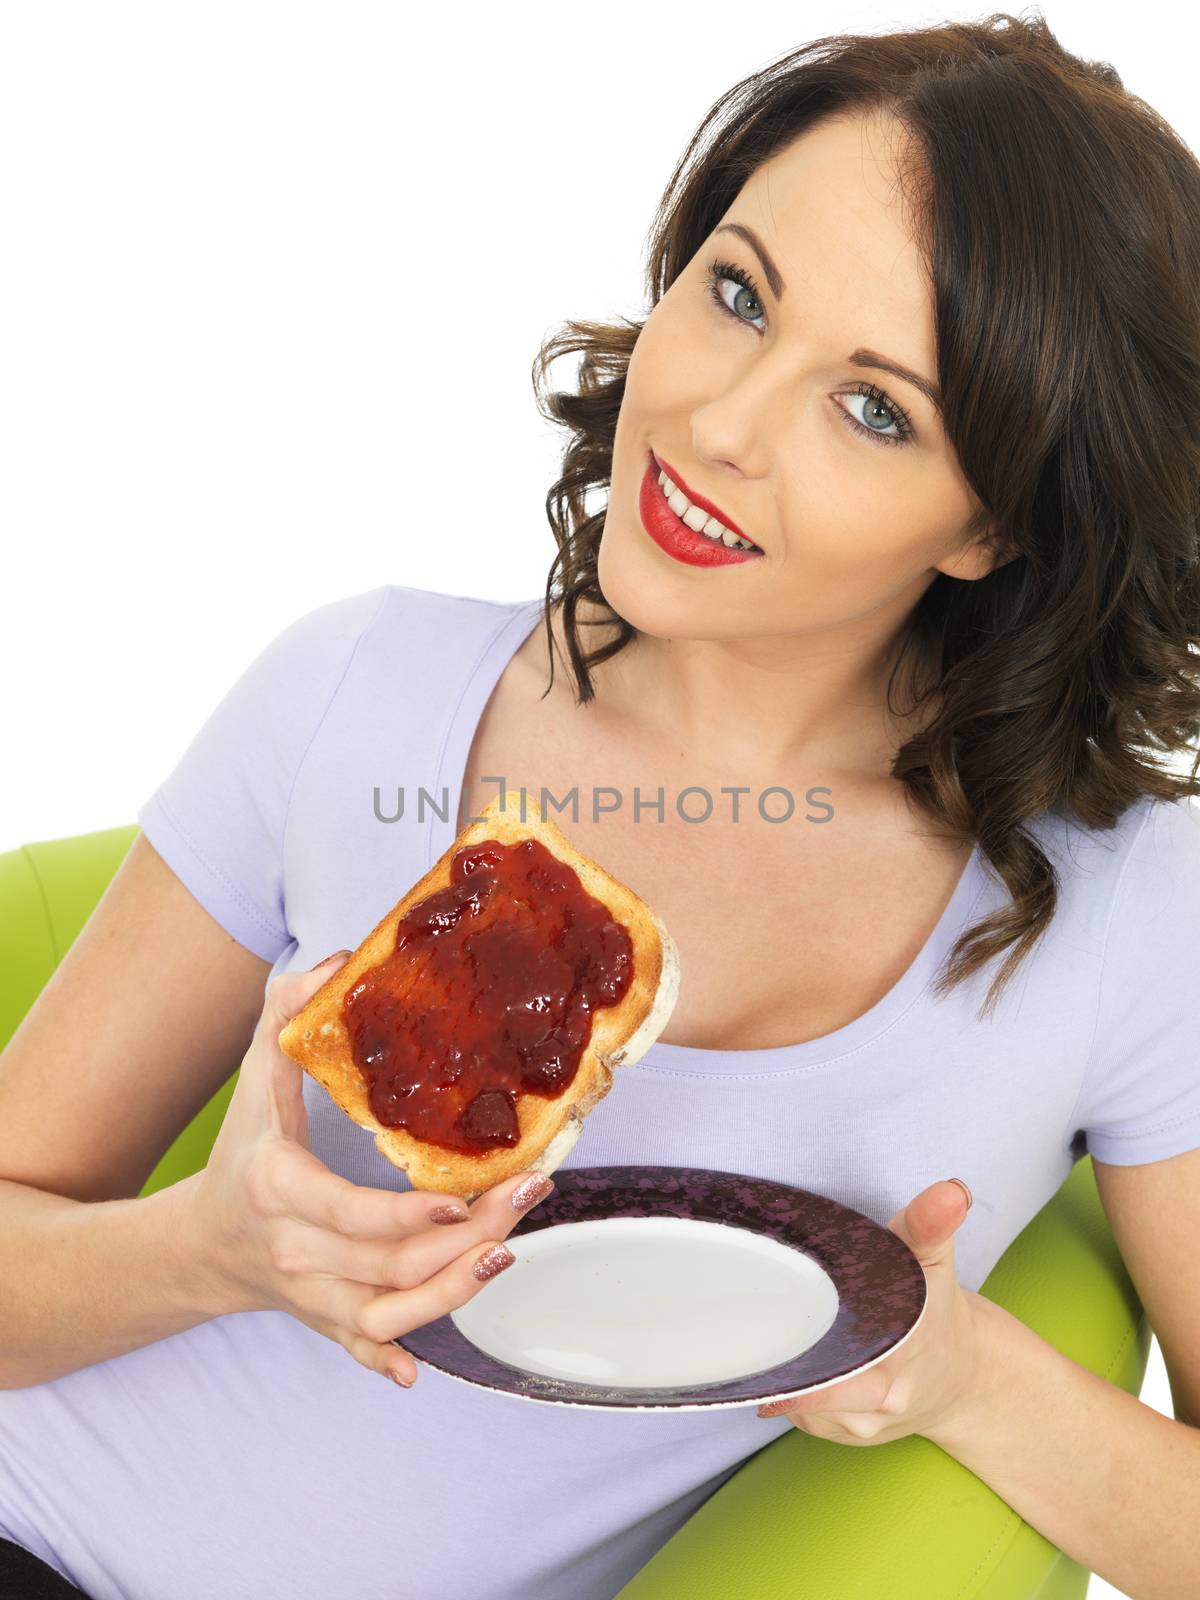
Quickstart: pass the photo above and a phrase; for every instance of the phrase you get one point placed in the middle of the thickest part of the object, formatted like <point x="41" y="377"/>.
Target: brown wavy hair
<point x="1059" y="216"/>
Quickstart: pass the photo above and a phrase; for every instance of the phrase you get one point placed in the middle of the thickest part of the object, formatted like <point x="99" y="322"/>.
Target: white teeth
<point x="699" y="521"/>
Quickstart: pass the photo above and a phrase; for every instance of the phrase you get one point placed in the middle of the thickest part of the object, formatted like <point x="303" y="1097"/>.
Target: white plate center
<point x="650" y="1301"/>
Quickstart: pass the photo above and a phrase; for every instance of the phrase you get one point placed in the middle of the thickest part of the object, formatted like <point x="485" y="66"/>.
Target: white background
<point x="273" y="281"/>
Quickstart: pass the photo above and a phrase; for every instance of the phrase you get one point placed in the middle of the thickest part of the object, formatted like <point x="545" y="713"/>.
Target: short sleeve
<point x="1140" y="1099"/>
<point x="218" y="818"/>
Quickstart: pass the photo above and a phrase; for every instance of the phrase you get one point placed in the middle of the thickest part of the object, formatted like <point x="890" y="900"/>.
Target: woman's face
<point x="756" y="404"/>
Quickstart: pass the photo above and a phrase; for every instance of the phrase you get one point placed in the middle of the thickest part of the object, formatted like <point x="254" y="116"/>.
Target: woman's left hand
<point x="920" y="1386"/>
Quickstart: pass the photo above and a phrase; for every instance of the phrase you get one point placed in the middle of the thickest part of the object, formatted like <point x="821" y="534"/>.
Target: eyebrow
<point x="860" y="358"/>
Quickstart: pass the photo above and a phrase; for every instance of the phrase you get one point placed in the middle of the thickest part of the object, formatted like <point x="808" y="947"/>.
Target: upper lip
<point x="700" y="500"/>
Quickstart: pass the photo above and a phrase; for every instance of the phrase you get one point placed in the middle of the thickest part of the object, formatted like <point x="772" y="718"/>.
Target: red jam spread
<point x="506" y="966"/>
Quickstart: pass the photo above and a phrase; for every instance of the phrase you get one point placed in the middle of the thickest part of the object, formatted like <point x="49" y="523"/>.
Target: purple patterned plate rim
<point x="880" y="1284"/>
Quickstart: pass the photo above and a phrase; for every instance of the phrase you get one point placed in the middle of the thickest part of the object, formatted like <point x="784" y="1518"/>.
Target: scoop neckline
<point x="494" y="655"/>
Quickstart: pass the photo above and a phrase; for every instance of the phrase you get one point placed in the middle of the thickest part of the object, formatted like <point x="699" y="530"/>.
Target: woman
<point x="923" y="331"/>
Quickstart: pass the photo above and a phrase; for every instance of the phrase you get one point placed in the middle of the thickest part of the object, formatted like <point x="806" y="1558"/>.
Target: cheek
<point x="856" y="520"/>
<point x="670" y="370"/>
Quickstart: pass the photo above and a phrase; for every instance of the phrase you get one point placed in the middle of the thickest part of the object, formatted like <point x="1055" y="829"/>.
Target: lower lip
<point x="675" y="537"/>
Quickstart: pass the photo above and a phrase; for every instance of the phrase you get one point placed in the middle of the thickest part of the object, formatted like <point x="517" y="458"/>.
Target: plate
<point x="680" y="1289"/>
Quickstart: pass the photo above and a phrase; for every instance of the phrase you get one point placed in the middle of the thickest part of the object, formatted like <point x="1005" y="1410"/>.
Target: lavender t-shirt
<point x="252" y="1456"/>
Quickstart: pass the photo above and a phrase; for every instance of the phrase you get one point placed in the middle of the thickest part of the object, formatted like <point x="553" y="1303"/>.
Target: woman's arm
<point x="88" y="1280"/>
<point x="1104" y="1477"/>
<point x="141" y="1022"/>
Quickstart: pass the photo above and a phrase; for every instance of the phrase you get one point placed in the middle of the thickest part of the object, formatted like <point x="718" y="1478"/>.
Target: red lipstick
<point x="673" y="535"/>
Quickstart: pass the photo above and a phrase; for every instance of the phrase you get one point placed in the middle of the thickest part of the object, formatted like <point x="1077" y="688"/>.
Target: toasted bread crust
<point x="317" y="1039"/>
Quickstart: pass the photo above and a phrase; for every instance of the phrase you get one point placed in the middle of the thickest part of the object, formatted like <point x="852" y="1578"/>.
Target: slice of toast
<point x="317" y="1037"/>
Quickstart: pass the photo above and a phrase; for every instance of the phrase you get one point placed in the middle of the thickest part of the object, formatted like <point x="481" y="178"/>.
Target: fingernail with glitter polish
<point x="535" y="1188"/>
<point x="493" y="1261"/>
<point x="775" y="1408"/>
<point x="447" y="1214"/>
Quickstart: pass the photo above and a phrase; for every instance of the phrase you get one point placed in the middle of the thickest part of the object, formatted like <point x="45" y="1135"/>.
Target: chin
<point x="638" y="589"/>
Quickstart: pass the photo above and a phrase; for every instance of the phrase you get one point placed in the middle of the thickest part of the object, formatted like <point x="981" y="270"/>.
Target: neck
<point x="760" y="705"/>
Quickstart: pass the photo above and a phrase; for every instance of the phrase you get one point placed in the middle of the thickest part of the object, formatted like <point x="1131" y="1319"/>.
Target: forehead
<point x="854" y="156"/>
<point x="832" y="212"/>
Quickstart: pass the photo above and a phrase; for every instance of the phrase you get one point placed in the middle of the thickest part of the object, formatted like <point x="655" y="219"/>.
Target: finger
<point x="396" y="1263"/>
<point x="387" y="1358"/>
<point x="932" y="1218"/>
<point x="512" y="1198"/>
<point x="274" y="1083"/>
<point x="850" y="1395"/>
<point x="398" y="1311"/>
<point x="362" y="1213"/>
<point x="866" y="1392"/>
<point x="301" y="1186"/>
<point x="289" y="992"/>
<point x="382" y="1356"/>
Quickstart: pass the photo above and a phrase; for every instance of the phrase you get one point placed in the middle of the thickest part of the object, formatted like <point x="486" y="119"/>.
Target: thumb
<point x="928" y="1223"/>
<point x="289" y="992"/>
<point x="287" y="995"/>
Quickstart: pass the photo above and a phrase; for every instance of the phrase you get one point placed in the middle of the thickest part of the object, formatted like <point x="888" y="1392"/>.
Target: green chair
<point x="802" y="1519"/>
<point x="47" y="892"/>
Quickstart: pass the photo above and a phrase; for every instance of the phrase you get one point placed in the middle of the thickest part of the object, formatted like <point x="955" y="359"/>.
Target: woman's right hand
<point x="273" y="1229"/>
